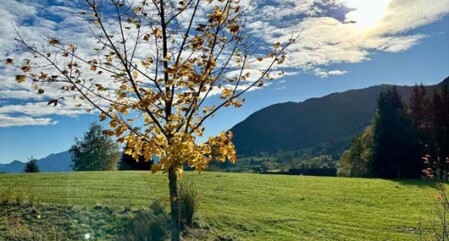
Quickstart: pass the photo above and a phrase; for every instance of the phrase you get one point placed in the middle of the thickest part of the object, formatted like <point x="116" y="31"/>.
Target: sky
<point x="343" y="44"/>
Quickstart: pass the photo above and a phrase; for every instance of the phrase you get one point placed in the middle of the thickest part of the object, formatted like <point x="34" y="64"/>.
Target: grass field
<point x="253" y="206"/>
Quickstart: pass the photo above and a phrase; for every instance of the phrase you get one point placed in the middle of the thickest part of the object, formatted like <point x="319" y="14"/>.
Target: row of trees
<point x="97" y="152"/>
<point x="394" y="145"/>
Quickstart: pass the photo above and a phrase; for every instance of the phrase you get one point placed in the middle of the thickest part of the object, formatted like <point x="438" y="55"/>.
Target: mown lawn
<point x="253" y="206"/>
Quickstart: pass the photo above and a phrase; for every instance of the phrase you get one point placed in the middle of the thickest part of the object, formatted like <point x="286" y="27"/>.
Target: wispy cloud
<point x="323" y="73"/>
<point x="10" y="121"/>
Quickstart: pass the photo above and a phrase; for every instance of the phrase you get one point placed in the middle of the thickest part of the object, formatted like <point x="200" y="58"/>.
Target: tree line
<point x="404" y="139"/>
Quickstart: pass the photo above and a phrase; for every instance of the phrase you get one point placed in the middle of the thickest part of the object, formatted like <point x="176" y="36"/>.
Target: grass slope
<point x="255" y="207"/>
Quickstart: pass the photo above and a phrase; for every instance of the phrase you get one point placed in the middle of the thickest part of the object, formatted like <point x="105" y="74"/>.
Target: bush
<point x="188" y="203"/>
<point x="11" y="196"/>
<point x="147" y="225"/>
<point x="31" y="165"/>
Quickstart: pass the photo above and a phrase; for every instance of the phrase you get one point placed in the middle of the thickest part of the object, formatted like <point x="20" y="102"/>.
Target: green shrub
<point x="7" y="196"/>
<point x="188" y="203"/>
<point x="147" y="225"/>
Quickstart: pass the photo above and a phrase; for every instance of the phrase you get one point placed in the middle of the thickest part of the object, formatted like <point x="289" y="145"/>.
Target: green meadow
<point x="248" y="206"/>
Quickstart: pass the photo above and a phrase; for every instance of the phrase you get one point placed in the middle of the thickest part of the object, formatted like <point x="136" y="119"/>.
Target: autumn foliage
<point x="152" y="72"/>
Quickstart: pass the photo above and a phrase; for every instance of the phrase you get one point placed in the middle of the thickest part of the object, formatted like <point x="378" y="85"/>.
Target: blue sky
<point x="407" y="42"/>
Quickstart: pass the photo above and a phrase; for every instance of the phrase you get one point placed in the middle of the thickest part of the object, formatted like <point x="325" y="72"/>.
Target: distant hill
<point x="322" y="126"/>
<point x="13" y="167"/>
<point x="59" y="162"/>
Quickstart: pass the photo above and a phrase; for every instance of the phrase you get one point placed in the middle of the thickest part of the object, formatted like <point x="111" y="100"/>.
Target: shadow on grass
<point x="421" y="183"/>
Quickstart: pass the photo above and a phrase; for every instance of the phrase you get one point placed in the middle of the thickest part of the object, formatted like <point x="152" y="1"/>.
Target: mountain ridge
<point x="55" y="162"/>
<point x="323" y="125"/>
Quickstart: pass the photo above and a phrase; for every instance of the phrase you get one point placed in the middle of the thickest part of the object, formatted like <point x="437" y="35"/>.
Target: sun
<point x="366" y="14"/>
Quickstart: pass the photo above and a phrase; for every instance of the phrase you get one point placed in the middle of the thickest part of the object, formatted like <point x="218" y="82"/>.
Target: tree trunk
<point x="174" y="204"/>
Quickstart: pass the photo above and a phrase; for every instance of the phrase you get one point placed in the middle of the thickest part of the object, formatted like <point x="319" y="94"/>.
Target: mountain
<point x="59" y="162"/>
<point x="319" y="126"/>
<point x="13" y="167"/>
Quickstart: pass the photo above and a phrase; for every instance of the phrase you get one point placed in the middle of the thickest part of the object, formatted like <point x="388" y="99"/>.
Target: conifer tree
<point x="395" y="143"/>
<point x="31" y="165"/>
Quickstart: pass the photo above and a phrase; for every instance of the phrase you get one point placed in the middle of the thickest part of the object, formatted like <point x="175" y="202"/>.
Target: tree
<point x="154" y="72"/>
<point x="439" y="134"/>
<point x="95" y="151"/>
<point x="421" y="117"/>
<point x="395" y="143"/>
<point x="31" y="165"/>
<point x="419" y="106"/>
<point x="127" y="162"/>
<point x="356" y="161"/>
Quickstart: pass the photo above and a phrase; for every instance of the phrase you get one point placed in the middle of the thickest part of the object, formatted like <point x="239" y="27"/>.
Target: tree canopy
<point x="95" y="151"/>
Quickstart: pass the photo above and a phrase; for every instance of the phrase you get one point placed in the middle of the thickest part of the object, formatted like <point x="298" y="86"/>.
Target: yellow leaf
<point x="123" y="87"/>
<point x="102" y="116"/>
<point x="20" y="78"/>
<point x="54" y="41"/>
<point x="71" y="47"/>
<point x="234" y="28"/>
<point x="135" y="74"/>
<point x="25" y="68"/>
<point x="180" y="172"/>
<point x="158" y="33"/>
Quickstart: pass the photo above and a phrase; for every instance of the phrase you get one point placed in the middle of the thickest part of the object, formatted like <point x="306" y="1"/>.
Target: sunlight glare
<point x="367" y="13"/>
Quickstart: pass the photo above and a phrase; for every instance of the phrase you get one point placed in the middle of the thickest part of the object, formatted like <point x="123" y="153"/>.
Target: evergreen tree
<point x="31" y="165"/>
<point x="395" y="146"/>
<point x="419" y="107"/>
<point x="127" y="162"/>
<point x="440" y="130"/>
<point x="421" y="117"/>
<point x="95" y="151"/>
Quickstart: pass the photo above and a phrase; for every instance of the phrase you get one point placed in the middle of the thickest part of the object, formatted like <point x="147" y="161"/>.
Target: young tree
<point x="95" y="151"/>
<point x="31" y="165"/>
<point x="153" y="72"/>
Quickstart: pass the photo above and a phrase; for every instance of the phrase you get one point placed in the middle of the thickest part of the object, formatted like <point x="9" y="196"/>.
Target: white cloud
<point x="19" y="95"/>
<point x="323" y="73"/>
<point x="9" y="121"/>
<point x="41" y="109"/>
<point x="371" y="26"/>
